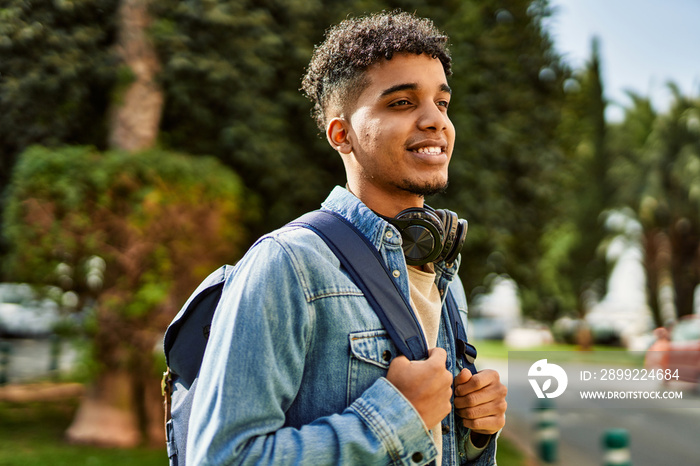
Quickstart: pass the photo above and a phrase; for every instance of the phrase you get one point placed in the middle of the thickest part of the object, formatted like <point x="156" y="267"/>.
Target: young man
<point x="299" y="369"/>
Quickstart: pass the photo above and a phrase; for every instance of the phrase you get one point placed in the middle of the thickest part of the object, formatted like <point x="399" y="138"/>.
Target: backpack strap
<point x="465" y="351"/>
<point x="187" y="335"/>
<point x="368" y="271"/>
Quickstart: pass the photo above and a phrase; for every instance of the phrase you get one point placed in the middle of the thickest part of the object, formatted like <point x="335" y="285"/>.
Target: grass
<point x="564" y="352"/>
<point x="31" y="434"/>
<point x="507" y="454"/>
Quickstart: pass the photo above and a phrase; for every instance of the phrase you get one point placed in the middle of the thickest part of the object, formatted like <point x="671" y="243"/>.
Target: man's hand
<point x="426" y="384"/>
<point x="480" y="400"/>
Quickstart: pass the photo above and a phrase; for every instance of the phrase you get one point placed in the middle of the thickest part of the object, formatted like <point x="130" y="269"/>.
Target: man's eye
<point x="444" y="103"/>
<point x="400" y="103"/>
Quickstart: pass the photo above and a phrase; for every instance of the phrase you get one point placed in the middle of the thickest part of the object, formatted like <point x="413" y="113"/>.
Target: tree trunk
<point x="684" y="243"/>
<point x="657" y="263"/>
<point x="136" y="116"/>
<point x="106" y="416"/>
<point x="122" y="408"/>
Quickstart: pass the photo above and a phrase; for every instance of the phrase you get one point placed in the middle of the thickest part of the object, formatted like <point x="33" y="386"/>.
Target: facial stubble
<point x="425" y="189"/>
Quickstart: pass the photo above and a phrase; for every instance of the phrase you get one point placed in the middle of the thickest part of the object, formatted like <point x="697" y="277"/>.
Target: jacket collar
<point x="343" y="202"/>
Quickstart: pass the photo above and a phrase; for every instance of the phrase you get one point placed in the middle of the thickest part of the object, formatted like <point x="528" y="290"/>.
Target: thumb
<point x="464" y="376"/>
<point x="437" y="355"/>
<point x="399" y="361"/>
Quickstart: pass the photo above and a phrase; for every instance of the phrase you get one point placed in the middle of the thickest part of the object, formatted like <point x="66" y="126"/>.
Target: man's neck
<point x="383" y="204"/>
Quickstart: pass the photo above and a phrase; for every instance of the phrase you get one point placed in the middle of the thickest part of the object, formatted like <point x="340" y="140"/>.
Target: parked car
<point x="684" y="345"/>
<point x="24" y="314"/>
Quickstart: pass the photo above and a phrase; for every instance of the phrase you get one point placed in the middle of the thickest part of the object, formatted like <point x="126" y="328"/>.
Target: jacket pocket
<point x="371" y="352"/>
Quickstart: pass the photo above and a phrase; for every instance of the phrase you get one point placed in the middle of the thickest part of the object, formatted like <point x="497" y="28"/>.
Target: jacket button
<point x="445" y="429"/>
<point x="386" y="355"/>
<point x="396" y="274"/>
<point x="417" y="457"/>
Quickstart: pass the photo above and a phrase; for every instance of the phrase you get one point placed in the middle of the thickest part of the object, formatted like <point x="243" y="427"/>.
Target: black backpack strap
<point x="368" y="271"/>
<point x="465" y="351"/>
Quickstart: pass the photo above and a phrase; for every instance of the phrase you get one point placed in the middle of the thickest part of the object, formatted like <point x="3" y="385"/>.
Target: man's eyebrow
<point x="399" y="88"/>
<point x="411" y="87"/>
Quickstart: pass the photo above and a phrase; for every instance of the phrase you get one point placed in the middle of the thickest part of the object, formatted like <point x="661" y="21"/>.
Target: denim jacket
<point x="295" y="364"/>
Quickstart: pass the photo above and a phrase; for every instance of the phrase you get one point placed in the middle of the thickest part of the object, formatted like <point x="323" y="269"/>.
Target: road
<point x="658" y="436"/>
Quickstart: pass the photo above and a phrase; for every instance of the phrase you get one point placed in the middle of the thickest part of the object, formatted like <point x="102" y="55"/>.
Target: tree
<point x="136" y="113"/>
<point x="56" y="69"/>
<point x="145" y="214"/>
<point x="508" y="95"/>
<point x="628" y="140"/>
<point x="232" y="70"/>
<point x="133" y="125"/>
<point x="573" y="265"/>
<point x="662" y="160"/>
<point x="160" y="222"/>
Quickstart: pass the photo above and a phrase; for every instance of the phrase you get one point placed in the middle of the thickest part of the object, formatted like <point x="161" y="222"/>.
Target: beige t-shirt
<point x="427" y="304"/>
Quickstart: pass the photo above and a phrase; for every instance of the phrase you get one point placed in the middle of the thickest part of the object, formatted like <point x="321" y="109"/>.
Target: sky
<point x="643" y="45"/>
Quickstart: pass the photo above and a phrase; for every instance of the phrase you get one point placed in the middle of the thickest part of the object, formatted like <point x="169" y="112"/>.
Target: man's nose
<point x="432" y="118"/>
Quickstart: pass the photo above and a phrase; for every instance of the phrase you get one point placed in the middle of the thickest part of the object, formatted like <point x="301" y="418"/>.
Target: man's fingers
<point x="437" y="355"/>
<point x="426" y="384"/>
<point x="492" y="392"/>
<point x="485" y="425"/>
<point x="476" y="382"/>
<point x="492" y="407"/>
<point x="481" y="402"/>
<point x="463" y="377"/>
<point x="400" y="360"/>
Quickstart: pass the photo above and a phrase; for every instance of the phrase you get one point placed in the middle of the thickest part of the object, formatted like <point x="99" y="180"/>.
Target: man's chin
<point x="424" y="189"/>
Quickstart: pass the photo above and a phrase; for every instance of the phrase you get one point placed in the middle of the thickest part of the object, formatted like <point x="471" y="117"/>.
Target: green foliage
<point x="233" y="69"/>
<point x="55" y="74"/>
<point x="161" y="222"/>
<point x="506" y="108"/>
<point x="556" y="270"/>
<point x="571" y="246"/>
<point x="660" y="171"/>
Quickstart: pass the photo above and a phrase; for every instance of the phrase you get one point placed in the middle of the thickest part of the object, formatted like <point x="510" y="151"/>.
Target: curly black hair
<point x="336" y="69"/>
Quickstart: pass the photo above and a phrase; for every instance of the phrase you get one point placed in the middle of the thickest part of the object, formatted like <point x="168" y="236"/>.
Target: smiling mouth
<point x="430" y="150"/>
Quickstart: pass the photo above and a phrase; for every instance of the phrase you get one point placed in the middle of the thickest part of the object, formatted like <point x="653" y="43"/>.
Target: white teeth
<point x="430" y="150"/>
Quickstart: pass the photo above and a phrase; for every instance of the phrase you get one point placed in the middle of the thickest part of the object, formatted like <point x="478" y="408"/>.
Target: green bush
<point x="133" y="234"/>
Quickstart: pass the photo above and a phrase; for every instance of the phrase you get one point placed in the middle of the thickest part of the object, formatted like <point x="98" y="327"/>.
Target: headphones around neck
<point x="429" y="235"/>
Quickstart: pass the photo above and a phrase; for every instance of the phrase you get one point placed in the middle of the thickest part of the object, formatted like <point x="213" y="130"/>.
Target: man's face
<point x="401" y="136"/>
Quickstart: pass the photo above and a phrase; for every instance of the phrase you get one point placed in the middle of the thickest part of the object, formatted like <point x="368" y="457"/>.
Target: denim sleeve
<point x="251" y="372"/>
<point x="487" y="457"/>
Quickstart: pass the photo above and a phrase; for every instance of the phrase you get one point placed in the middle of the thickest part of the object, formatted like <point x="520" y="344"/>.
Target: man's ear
<point x="337" y="133"/>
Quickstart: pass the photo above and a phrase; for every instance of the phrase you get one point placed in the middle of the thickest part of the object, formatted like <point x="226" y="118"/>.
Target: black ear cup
<point x="451" y="223"/>
<point x="430" y="235"/>
<point x="422" y="233"/>
<point x="450" y="253"/>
